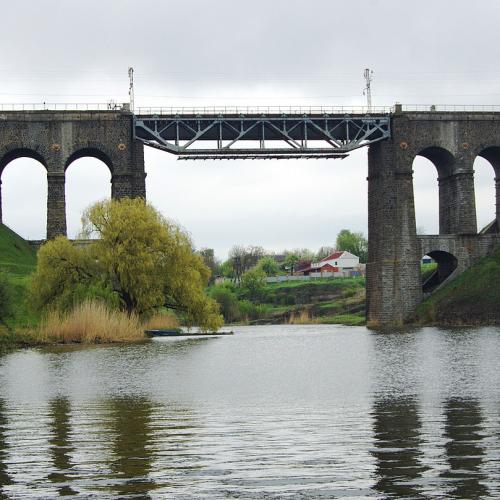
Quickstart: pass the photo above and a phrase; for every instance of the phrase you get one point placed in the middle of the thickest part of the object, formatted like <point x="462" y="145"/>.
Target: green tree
<point x="226" y="269"/>
<point x="140" y="261"/>
<point x="269" y="266"/>
<point x="209" y="259"/>
<point x="355" y="243"/>
<point x="291" y="261"/>
<point x="244" y="258"/>
<point x="253" y="284"/>
<point x="228" y="302"/>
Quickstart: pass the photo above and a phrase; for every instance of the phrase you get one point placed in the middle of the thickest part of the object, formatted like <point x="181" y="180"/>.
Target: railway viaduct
<point x="450" y="140"/>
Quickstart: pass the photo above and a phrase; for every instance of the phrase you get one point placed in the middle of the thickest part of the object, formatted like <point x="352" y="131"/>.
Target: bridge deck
<point x="233" y="135"/>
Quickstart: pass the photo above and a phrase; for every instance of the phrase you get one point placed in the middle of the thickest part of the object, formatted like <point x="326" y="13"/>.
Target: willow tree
<point x="137" y="259"/>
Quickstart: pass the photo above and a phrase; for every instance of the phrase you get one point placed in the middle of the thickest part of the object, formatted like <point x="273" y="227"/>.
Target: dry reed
<point x="91" y="322"/>
<point x="162" y="321"/>
<point x="303" y="318"/>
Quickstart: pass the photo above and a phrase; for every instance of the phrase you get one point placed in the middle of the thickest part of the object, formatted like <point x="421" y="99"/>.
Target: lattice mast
<point x="131" y="88"/>
<point x="368" y="74"/>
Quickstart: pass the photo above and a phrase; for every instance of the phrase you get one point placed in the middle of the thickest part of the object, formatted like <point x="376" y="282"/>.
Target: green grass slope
<point x="17" y="262"/>
<point x="16" y="256"/>
<point x="328" y="300"/>
<point x="473" y="298"/>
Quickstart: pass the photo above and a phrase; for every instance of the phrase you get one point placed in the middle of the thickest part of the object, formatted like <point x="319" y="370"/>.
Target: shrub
<point x="229" y="306"/>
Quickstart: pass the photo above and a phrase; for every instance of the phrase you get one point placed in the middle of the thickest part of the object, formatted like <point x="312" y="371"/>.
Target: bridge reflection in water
<point x="465" y="449"/>
<point x="398" y="447"/>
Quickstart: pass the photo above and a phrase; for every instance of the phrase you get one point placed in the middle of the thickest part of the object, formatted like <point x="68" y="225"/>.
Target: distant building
<point x="302" y="264"/>
<point x="337" y="262"/>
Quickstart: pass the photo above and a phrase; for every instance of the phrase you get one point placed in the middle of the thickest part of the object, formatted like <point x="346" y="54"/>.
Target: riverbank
<point x="322" y="301"/>
<point x="17" y="262"/>
<point x="473" y="298"/>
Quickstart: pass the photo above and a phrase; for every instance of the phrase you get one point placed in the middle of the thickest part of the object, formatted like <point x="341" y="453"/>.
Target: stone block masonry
<point x="56" y="139"/>
<point x="452" y="141"/>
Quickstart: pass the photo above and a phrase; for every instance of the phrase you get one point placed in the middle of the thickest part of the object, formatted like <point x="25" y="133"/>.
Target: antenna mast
<point x="131" y="88"/>
<point x="368" y="74"/>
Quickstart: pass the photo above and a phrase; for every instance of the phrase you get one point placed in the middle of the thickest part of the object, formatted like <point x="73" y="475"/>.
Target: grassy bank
<point x="87" y="323"/>
<point x="338" y="300"/>
<point x="17" y="262"/>
<point x="473" y="298"/>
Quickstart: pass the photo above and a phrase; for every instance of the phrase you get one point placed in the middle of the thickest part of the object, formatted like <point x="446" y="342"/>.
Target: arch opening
<point x="487" y="189"/>
<point x="442" y="266"/>
<point x="438" y="197"/>
<point x="426" y="195"/>
<point x="88" y="180"/>
<point x="90" y="153"/>
<point x="17" y="153"/>
<point x="23" y="176"/>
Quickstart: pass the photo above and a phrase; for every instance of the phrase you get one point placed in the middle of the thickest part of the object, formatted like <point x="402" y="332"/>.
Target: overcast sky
<point x="234" y="52"/>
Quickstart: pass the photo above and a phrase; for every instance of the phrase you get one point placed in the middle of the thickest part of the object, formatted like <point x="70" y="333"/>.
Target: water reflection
<point x="60" y="445"/>
<point x="464" y="450"/>
<point x="132" y="446"/>
<point x="4" y="476"/>
<point x="273" y="412"/>
<point x="397" y="453"/>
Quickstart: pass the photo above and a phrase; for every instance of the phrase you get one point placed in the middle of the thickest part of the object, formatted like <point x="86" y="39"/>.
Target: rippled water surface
<point x="271" y="412"/>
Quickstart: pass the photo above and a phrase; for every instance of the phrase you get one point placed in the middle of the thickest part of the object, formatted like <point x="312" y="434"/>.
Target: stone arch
<point x="16" y="152"/>
<point x="492" y="155"/>
<point x="446" y="262"/>
<point x="457" y="209"/>
<point x="91" y="170"/>
<point x="443" y="160"/>
<point x="98" y="152"/>
<point x="444" y="163"/>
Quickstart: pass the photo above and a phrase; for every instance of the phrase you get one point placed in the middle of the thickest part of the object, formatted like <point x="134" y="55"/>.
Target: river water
<point x="271" y="412"/>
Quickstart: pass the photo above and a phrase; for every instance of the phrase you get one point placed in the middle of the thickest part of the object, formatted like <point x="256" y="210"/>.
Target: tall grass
<point x="162" y="321"/>
<point x="304" y="318"/>
<point x="90" y="322"/>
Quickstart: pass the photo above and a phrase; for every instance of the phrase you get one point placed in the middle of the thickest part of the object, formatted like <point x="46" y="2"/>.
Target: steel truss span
<point x="277" y="136"/>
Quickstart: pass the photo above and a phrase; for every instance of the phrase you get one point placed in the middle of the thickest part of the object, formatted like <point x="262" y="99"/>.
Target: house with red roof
<point x="338" y="262"/>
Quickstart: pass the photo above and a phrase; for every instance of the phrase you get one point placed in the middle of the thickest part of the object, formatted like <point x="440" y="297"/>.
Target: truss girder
<point x="231" y="135"/>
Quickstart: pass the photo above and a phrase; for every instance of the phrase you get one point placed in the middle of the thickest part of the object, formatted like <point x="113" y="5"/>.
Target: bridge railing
<point x="471" y="108"/>
<point x="263" y="110"/>
<point x="249" y="110"/>
<point x="56" y="106"/>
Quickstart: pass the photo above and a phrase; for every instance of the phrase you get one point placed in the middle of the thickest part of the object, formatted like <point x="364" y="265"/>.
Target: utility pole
<point x="131" y="88"/>
<point x="368" y="74"/>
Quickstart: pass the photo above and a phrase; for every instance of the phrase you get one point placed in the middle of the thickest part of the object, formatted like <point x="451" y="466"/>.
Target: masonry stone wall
<point x="466" y="248"/>
<point x="452" y="141"/>
<point x="56" y="139"/>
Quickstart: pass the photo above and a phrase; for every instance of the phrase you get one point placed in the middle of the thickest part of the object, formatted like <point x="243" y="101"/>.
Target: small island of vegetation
<point x="135" y="271"/>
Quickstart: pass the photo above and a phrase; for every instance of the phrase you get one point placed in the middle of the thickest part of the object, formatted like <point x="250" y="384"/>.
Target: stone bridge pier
<point x="451" y="141"/>
<point x="56" y="139"/>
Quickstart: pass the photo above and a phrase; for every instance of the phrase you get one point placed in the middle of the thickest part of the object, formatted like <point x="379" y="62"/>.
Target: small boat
<point x="177" y="332"/>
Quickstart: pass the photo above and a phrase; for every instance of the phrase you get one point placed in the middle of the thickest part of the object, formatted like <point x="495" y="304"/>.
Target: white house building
<point x="336" y="264"/>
